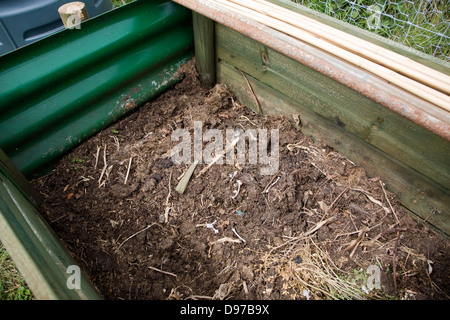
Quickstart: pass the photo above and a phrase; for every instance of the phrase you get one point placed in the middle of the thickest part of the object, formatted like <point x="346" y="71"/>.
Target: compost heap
<point x="318" y="228"/>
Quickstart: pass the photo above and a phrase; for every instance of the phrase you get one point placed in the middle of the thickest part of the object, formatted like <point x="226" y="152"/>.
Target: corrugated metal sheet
<point x="41" y="259"/>
<point x="59" y="91"/>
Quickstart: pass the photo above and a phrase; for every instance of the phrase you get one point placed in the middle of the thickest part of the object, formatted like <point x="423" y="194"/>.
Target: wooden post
<point x="72" y="14"/>
<point x="204" y="49"/>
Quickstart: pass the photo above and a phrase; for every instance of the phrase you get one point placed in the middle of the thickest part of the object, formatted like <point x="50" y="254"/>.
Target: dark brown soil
<point x="313" y="235"/>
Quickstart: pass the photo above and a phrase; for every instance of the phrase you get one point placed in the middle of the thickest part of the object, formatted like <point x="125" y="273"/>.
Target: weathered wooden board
<point x="409" y="52"/>
<point x="204" y="49"/>
<point x="418" y="193"/>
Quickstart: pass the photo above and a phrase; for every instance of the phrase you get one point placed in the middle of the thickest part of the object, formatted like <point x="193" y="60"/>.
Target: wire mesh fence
<point x="423" y="25"/>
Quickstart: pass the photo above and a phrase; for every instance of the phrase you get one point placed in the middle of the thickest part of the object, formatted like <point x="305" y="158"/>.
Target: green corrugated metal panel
<point x="35" y="249"/>
<point x="61" y="90"/>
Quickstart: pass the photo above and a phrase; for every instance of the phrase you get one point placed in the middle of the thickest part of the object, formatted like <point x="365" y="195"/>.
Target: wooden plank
<point x="418" y="194"/>
<point x="204" y="49"/>
<point x="403" y="140"/>
<point x="353" y="49"/>
<point x="406" y="51"/>
<point x="404" y="73"/>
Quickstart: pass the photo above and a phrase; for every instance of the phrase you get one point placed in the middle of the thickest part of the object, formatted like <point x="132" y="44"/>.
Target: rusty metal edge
<point x="279" y="42"/>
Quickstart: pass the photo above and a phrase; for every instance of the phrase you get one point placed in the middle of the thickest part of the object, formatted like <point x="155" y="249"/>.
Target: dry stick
<point x="390" y="205"/>
<point x="394" y="260"/>
<point x="439" y="99"/>
<point x="275" y="175"/>
<point x="305" y="235"/>
<point x="165" y="272"/>
<point x="334" y="202"/>
<point x="116" y="141"/>
<point x="355" y="243"/>
<point x="253" y="93"/>
<point x="247" y="119"/>
<point x="96" y="157"/>
<point x="195" y="297"/>
<point x="380" y="55"/>
<point x="128" y="171"/>
<point x="231" y="146"/>
<point x="377" y="202"/>
<point x="307" y="284"/>
<point x="107" y="172"/>
<point x="273" y="183"/>
<point x="226" y="239"/>
<point x="166" y="211"/>
<point x="318" y="226"/>
<point x="135" y="234"/>
<point x="104" y="167"/>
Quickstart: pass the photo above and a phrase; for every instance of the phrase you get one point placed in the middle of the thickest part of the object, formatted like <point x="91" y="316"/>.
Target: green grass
<point x="12" y="284"/>
<point x="417" y="24"/>
<point x="118" y="3"/>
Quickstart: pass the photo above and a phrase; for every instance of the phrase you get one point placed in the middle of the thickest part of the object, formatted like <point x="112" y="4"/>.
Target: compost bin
<point x="64" y="97"/>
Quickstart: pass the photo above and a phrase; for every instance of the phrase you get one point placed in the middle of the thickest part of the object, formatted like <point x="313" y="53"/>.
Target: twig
<point x="128" y="171"/>
<point x="107" y="172"/>
<point x="387" y="199"/>
<point x="247" y="119"/>
<point x="116" y="141"/>
<point x="305" y="235"/>
<point x="386" y="210"/>
<point x="231" y="146"/>
<point x="252" y="92"/>
<point x="337" y="198"/>
<point x="96" y="157"/>
<point x="267" y="186"/>
<point x="334" y="202"/>
<point x="133" y="235"/>
<point x="267" y="190"/>
<point x="318" y="226"/>
<point x="168" y="208"/>
<point x="226" y="239"/>
<point x="195" y="297"/>
<point x="355" y="243"/>
<point x="104" y="166"/>
<point x="394" y="260"/>
<point x="165" y="272"/>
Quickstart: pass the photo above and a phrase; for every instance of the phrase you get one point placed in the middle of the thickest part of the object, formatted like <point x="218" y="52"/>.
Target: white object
<point x="236" y="192"/>
<point x="211" y="226"/>
<point x="237" y="235"/>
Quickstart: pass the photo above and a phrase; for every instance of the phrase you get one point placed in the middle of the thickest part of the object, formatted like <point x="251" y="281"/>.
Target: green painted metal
<point x="42" y="260"/>
<point x="63" y="89"/>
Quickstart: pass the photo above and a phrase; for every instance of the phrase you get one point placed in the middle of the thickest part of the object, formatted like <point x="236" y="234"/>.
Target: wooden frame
<point x="412" y="160"/>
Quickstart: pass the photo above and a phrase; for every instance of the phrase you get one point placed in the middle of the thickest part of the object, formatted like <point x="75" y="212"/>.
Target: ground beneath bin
<point x="318" y="228"/>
